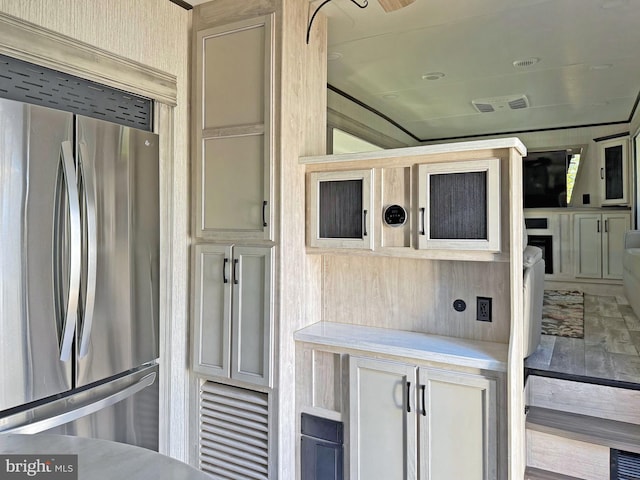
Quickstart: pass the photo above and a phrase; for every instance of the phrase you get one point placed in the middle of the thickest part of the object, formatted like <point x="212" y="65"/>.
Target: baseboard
<point x="588" y="286"/>
<point x="538" y="474"/>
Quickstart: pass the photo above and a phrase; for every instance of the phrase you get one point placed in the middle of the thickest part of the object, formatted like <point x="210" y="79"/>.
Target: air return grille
<point x="26" y="82"/>
<point x="234" y="440"/>
<point x="624" y="465"/>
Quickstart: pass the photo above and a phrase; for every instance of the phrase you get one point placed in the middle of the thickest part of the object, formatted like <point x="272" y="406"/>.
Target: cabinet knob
<point x="224" y="271"/>
<point x="423" y="389"/>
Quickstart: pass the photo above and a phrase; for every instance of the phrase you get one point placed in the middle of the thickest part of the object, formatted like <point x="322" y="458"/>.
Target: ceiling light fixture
<point x="433" y="76"/>
<point x="387" y="6"/>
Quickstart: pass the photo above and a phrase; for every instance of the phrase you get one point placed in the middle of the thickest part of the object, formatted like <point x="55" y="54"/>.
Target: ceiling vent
<point x="512" y="102"/>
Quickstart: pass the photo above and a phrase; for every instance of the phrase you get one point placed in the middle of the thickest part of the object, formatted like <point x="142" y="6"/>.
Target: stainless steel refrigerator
<point x="79" y="268"/>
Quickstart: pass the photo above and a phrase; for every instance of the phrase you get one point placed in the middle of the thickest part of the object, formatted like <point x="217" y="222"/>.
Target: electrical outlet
<point x="483" y="309"/>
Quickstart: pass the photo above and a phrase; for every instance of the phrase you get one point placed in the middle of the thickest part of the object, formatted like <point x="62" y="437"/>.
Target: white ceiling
<point x="588" y="72"/>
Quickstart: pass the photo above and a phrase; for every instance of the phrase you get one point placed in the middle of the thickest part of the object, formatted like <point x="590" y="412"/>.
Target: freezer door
<point x="118" y="181"/>
<point x="123" y="410"/>
<point x="35" y="251"/>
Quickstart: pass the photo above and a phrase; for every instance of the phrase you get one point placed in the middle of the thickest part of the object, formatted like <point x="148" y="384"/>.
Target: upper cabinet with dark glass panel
<point x="459" y="205"/>
<point x="340" y="208"/>
<point x="441" y="202"/>
<point x="614" y="171"/>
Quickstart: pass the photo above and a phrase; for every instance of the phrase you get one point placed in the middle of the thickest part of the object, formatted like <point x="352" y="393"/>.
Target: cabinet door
<point x="235" y="188"/>
<point x="252" y="324"/>
<point x="211" y="316"/>
<point x="382" y="420"/>
<point x="615" y="225"/>
<point x="233" y="171"/>
<point x="459" y="205"/>
<point x="587" y="234"/>
<point x="340" y="207"/>
<point x="614" y="171"/>
<point x="458" y="426"/>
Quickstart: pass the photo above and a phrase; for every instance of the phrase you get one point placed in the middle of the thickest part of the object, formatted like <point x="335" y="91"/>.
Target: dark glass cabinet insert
<point x="613" y="172"/>
<point x="340" y="209"/>
<point x="458" y="206"/>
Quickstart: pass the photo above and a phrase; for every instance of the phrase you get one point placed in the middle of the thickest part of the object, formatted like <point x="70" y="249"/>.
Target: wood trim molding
<point x="32" y="43"/>
<point x="347" y="124"/>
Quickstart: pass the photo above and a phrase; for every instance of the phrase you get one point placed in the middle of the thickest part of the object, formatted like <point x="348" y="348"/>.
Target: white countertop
<point x="419" y="346"/>
<point x="101" y="459"/>
<point x="509" y="142"/>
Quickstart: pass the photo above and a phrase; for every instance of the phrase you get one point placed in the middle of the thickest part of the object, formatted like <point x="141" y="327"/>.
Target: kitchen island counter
<point x="100" y="459"/>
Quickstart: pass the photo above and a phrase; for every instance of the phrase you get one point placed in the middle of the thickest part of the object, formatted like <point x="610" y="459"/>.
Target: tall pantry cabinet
<point x="258" y="104"/>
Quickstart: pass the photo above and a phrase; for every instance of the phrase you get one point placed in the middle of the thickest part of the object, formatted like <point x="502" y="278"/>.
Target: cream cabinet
<point x="382" y="424"/>
<point x="410" y="422"/>
<point x="459" y="205"/>
<point x="599" y="243"/>
<point x="233" y="150"/>
<point x="340" y="209"/>
<point x="614" y="171"/>
<point x="233" y="318"/>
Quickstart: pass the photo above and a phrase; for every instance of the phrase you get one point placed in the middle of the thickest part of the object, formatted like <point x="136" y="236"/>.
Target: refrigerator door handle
<point x="89" y="190"/>
<point x="71" y="312"/>
<point x="84" y="410"/>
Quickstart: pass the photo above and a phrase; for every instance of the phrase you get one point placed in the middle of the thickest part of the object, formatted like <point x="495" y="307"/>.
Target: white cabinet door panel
<point x="588" y="245"/>
<point x="458" y="426"/>
<point x="382" y="430"/>
<point x="615" y="226"/>
<point x="235" y="94"/>
<point x="252" y="314"/>
<point x="234" y="185"/>
<point x="211" y="310"/>
<point x="233" y="120"/>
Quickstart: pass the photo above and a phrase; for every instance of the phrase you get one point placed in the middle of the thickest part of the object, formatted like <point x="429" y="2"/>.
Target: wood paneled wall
<point x="416" y="295"/>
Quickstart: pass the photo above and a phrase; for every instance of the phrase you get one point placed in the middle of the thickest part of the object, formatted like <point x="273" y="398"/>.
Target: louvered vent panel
<point x="26" y="82"/>
<point x="234" y="432"/>
<point x="518" y="103"/>
<point x="484" y="107"/>
<point x="625" y="465"/>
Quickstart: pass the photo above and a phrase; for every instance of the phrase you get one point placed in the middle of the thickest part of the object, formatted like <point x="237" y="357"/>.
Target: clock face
<point x="394" y="215"/>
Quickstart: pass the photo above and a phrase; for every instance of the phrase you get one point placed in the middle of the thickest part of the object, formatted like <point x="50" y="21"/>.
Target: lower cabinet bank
<point x="413" y="406"/>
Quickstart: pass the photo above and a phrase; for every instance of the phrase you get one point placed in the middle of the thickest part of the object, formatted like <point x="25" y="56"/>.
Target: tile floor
<point x="610" y="349"/>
